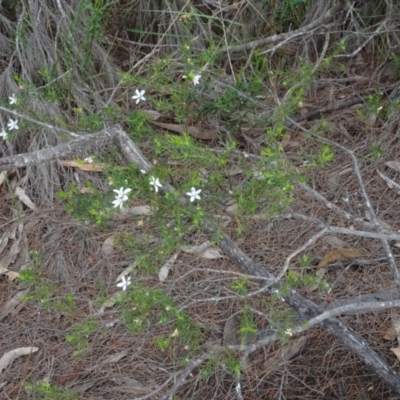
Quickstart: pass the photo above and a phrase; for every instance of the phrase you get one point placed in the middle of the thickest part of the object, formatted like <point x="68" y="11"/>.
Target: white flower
<point x="156" y="183"/>
<point x="125" y="283"/>
<point x="118" y="202"/>
<point x="3" y="134"/>
<point x="196" y="79"/>
<point x="13" y="124"/>
<point x="12" y="99"/>
<point x="194" y="194"/>
<point x="89" y="160"/>
<point x="139" y="95"/>
<point x="289" y="332"/>
<point x="176" y="333"/>
<point x="120" y="197"/>
<point x="122" y="193"/>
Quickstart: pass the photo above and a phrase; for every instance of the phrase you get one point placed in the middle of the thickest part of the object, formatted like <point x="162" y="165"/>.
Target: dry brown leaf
<point x="396" y="350"/>
<point x="211" y="253"/>
<point x="109" y="303"/>
<point x="396" y="325"/>
<point x="24" y="198"/>
<point x="193" y="131"/>
<point x="3" y="242"/>
<point x="394" y="165"/>
<point x="9" y="357"/>
<point x="229" y="335"/>
<point x="139" y="210"/>
<point x="11" y="275"/>
<point x="284" y="354"/>
<point x="164" y="270"/>
<point x="94" y="167"/>
<point x="152" y="113"/>
<point x="232" y="209"/>
<point x="85" y="190"/>
<point x="390" y="334"/>
<point x="341" y="254"/>
<point x="13" y="304"/>
<point x="11" y="257"/>
<point x="126" y="271"/>
<point x="108" y="245"/>
<point x="2" y="176"/>
<point x="393" y="331"/>
<point x="334" y="241"/>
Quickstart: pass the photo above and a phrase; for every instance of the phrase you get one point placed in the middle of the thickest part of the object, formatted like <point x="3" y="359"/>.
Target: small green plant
<point x="27" y="276"/>
<point x="78" y="336"/>
<point x="232" y="363"/>
<point x="324" y="156"/>
<point x="143" y="306"/>
<point x="46" y="391"/>
<point x="304" y="261"/>
<point x="248" y="327"/>
<point x="376" y="152"/>
<point x="240" y="286"/>
<point x="208" y="368"/>
<point x="161" y="343"/>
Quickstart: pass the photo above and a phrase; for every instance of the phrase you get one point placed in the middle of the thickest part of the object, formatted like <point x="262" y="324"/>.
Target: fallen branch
<point x="74" y="147"/>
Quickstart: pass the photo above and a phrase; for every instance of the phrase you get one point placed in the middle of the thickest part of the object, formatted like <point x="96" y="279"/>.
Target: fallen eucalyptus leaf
<point x="341" y="254"/>
<point x="193" y="131"/>
<point x="24" y="198"/>
<point x="94" y="167"/>
<point x="9" y="357"/>
<point x="152" y="113"/>
<point x="108" y="245"/>
<point x="164" y="270"/>
<point x="394" y="165"/>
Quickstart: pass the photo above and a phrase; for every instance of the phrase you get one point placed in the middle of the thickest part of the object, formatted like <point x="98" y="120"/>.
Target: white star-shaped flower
<point x="139" y="95"/>
<point x="196" y="79"/>
<point x="3" y="134"/>
<point x="12" y="99"/>
<point x="194" y="194"/>
<point x="125" y="283"/>
<point x="89" y="160"/>
<point x="122" y="193"/>
<point x="155" y="182"/>
<point x="120" y="197"/>
<point x="119" y="201"/>
<point x="13" y="124"/>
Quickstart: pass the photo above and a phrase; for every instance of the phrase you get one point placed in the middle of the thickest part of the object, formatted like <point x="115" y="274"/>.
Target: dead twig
<point x="341" y="5"/>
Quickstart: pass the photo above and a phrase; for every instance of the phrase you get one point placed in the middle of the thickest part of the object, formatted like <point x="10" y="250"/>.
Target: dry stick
<point x="341" y="5"/>
<point x="342" y="310"/>
<point x="390" y="182"/>
<point x="79" y="145"/>
<point x="347" y="231"/>
<point x="339" y="105"/>
<point x="303" y="306"/>
<point x="382" y="295"/>
<point x="334" y="207"/>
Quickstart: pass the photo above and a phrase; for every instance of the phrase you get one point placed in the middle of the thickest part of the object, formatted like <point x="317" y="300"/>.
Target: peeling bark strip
<point x="303" y="306"/>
